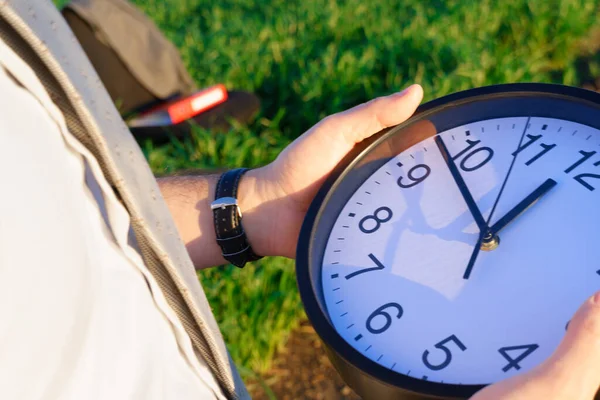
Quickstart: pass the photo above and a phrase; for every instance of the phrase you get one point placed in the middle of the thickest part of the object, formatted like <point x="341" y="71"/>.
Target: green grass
<point x="307" y="59"/>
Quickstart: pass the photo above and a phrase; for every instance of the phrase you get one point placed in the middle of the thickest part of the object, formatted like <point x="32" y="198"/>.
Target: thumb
<point x="576" y="361"/>
<point x="364" y="120"/>
<point x="326" y="143"/>
<point x="571" y="372"/>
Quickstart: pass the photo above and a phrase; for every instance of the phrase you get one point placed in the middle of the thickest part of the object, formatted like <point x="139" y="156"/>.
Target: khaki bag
<point x="137" y="64"/>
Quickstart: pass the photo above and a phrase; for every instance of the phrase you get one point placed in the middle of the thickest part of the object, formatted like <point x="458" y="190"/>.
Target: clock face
<point x="396" y="274"/>
<point x="394" y="262"/>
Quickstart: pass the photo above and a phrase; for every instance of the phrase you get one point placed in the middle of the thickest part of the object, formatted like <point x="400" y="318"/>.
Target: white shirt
<point x="80" y="315"/>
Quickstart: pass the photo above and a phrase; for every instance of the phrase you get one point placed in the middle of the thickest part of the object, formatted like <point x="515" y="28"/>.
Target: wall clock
<point x="450" y="252"/>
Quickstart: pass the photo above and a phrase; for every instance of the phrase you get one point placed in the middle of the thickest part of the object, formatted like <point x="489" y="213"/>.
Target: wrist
<point x="259" y="215"/>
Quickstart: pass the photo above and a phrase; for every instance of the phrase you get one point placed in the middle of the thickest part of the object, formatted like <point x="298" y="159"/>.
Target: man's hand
<point x="572" y="372"/>
<point x="275" y="198"/>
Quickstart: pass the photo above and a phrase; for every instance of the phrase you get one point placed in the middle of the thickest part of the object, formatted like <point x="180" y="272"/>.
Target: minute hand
<point x="523" y="205"/>
<point x="462" y="186"/>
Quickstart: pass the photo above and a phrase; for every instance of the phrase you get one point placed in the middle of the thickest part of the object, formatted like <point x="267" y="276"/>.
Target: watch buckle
<point x="224" y="202"/>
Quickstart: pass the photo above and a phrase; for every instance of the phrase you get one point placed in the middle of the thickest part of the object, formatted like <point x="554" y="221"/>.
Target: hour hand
<point x="523" y="205"/>
<point x="462" y="186"/>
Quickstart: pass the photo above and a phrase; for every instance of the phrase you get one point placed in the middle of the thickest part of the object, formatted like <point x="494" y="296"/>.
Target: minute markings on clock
<point x="549" y="130"/>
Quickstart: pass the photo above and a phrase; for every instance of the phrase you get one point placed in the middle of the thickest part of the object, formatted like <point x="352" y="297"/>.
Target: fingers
<point x="362" y="121"/>
<point x="576" y="361"/>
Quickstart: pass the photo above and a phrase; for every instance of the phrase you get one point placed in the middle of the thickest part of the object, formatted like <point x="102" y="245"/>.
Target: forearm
<point x="189" y="198"/>
<point x="274" y="199"/>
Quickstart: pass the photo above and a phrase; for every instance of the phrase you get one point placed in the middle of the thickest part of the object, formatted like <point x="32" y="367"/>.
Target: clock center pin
<point x="490" y="242"/>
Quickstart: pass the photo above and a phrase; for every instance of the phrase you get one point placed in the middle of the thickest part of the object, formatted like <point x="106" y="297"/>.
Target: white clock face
<point x="394" y="262"/>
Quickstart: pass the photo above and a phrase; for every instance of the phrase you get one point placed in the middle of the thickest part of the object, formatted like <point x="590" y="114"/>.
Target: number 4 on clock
<point x="525" y="350"/>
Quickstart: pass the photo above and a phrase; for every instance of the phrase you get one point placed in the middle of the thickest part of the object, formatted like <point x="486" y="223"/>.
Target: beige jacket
<point x="37" y="32"/>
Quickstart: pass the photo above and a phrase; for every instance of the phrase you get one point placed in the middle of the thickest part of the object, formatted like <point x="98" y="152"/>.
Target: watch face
<point x="396" y="271"/>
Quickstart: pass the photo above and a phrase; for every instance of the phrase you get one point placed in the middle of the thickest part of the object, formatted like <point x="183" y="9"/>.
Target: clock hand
<point x="462" y="186"/>
<point x="523" y="205"/>
<point x="484" y="229"/>
<point x="490" y="239"/>
<point x="473" y="257"/>
<point x="512" y="164"/>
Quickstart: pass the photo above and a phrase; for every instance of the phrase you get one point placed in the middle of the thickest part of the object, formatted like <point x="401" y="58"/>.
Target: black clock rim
<point x="327" y="333"/>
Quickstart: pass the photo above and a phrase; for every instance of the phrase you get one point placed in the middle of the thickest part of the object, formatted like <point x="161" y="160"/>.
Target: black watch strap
<point x="228" y="220"/>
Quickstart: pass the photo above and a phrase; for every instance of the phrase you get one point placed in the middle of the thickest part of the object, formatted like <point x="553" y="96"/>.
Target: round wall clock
<point x="450" y="252"/>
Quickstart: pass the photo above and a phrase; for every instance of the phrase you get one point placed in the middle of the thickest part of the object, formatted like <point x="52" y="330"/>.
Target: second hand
<point x="512" y="164"/>
<point x="487" y="239"/>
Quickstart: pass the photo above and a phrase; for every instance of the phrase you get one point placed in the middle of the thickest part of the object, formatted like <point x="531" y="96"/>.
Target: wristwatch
<point x="228" y="220"/>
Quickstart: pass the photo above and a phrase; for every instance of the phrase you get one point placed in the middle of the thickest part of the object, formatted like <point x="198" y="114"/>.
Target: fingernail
<point x="596" y="298"/>
<point x="402" y="93"/>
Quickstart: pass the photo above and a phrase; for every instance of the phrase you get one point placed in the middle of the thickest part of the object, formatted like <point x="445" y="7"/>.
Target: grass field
<point x="307" y="59"/>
